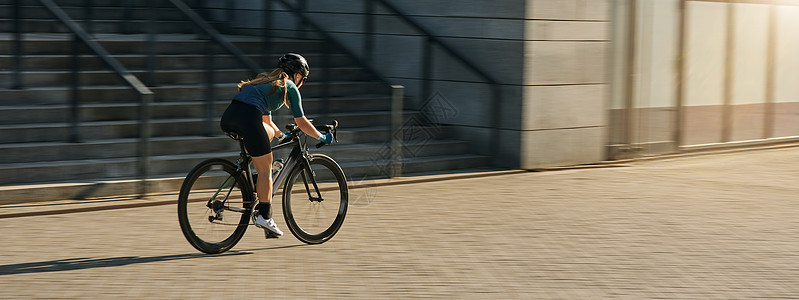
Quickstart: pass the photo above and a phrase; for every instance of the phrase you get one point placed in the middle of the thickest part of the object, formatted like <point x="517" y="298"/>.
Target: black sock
<point x="265" y="209"/>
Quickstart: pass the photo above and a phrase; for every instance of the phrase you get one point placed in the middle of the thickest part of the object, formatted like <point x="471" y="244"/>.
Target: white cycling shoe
<point x="269" y="226"/>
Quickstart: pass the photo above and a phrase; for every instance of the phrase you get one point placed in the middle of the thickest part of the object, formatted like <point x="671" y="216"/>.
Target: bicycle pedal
<point x="270" y="235"/>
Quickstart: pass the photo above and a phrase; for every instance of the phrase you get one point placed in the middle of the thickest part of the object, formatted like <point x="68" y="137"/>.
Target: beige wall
<point x="725" y="76"/>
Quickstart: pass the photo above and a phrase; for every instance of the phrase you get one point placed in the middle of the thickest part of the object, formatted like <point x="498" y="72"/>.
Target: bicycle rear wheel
<point x="213" y="208"/>
<point x="314" y="217"/>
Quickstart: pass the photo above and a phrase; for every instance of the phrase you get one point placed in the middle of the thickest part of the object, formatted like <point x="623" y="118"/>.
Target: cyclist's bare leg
<point x="263" y="164"/>
<point x="263" y="188"/>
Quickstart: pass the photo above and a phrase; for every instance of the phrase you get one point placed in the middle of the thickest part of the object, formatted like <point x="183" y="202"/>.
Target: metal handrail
<point x="216" y="36"/>
<point x="496" y="88"/>
<point x="17" y="79"/>
<point x="112" y="63"/>
<point x="434" y="39"/>
<point x="305" y="20"/>
<point x="316" y="27"/>
<point x="145" y="94"/>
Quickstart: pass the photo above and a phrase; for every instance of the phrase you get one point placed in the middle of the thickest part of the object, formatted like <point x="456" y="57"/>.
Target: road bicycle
<point x="217" y="196"/>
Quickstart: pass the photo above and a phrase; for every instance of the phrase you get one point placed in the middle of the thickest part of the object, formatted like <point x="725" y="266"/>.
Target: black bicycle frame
<point x="297" y="155"/>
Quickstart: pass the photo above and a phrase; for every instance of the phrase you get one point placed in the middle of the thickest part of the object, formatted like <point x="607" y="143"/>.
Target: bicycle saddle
<point x="234" y="135"/>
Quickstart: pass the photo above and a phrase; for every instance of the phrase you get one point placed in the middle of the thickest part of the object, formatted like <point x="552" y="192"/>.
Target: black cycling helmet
<point x="293" y="63"/>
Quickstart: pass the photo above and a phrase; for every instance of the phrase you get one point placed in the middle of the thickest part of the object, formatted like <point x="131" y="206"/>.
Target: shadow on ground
<point x="70" y="264"/>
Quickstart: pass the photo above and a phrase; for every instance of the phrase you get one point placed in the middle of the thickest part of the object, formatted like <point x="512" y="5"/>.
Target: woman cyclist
<point x="250" y="116"/>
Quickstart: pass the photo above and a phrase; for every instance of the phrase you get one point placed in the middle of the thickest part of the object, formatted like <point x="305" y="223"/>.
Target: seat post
<point x="236" y="136"/>
<point x="241" y="145"/>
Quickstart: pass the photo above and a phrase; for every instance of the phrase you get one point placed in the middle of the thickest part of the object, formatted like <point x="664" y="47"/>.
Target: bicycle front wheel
<point x="213" y="206"/>
<point x="315" y="212"/>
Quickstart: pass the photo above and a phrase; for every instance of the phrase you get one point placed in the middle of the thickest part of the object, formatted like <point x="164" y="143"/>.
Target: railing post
<point x="214" y="35"/>
<point x="17" y="83"/>
<point x="126" y="16"/>
<point x="396" y="129"/>
<point x="302" y="5"/>
<point x="679" y="87"/>
<point x="771" y="58"/>
<point x="145" y="100"/>
<point x="88" y="9"/>
<point x="74" y="115"/>
<point x="209" y="87"/>
<point x="369" y="26"/>
<point x="728" y="109"/>
<point x="149" y="77"/>
<point x="631" y="112"/>
<point x="326" y="78"/>
<point x="496" y="121"/>
<point x="229" y="15"/>
<point x="427" y="69"/>
<point x="267" y="34"/>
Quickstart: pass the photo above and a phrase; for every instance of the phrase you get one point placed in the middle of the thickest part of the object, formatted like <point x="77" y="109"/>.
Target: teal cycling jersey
<point x="258" y="96"/>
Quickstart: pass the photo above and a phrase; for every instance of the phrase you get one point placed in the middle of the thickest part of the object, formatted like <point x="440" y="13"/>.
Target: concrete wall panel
<point x="548" y="148"/>
<point x="569" y="9"/>
<point x="538" y="30"/>
<point x="565" y="62"/>
<point x="464" y="8"/>
<point x="567" y="106"/>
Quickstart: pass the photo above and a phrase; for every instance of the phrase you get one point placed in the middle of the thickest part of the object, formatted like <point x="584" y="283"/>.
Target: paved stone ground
<point x="710" y="227"/>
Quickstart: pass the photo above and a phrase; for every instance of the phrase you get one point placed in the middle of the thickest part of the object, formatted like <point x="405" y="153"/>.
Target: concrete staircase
<point x="37" y="163"/>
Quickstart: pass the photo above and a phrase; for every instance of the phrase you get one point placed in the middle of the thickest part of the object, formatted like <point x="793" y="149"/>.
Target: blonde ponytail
<point x="277" y="75"/>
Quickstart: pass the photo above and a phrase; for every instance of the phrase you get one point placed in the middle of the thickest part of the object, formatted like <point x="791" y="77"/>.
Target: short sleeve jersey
<point x="258" y="96"/>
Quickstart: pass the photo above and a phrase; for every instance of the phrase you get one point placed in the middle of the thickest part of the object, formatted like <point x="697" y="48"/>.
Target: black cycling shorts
<point x="246" y="120"/>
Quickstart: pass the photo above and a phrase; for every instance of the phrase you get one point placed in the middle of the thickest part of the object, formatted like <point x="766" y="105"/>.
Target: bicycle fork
<point x="308" y="172"/>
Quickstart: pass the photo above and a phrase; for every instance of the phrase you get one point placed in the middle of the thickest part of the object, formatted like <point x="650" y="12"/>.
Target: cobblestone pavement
<point x="710" y="227"/>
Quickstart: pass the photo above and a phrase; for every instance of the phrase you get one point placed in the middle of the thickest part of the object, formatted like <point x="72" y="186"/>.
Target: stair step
<point x="103" y="26"/>
<point x="380" y="153"/>
<point x="36" y="114"/>
<point x="90" y="131"/>
<point x="120" y="148"/>
<point x="106" y="3"/>
<point x="183" y="92"/>
<point x="33" y="79"/>
<point x="363" y="170"/>
<point x="34" y="123"/>
<point x="111" y="148"/>
<point x="167" y="44"/>
<point x="166" y="61"/>
<point x="115" y="12"/>
<point x="45" y="171"/>
<point x="171" y="182"/>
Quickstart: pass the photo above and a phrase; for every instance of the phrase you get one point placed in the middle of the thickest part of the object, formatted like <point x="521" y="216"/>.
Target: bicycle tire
<point x="197" y="189"/>
<point x="333" y="187"/>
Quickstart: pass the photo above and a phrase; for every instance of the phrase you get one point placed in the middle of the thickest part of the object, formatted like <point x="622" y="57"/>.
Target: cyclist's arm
<point x="307" y="127"/>
<point x="267" y="120"/>
<point x="299" y="115"/>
